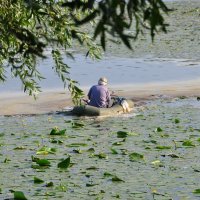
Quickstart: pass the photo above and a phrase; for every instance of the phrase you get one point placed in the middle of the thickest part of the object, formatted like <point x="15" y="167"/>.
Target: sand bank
<point x="52" y="101"/>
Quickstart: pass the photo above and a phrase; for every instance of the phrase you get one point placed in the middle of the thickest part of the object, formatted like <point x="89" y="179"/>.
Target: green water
<point x="164" y="135"/>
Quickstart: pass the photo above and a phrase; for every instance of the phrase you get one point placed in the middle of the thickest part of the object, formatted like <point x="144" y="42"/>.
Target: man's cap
<point x="103" y="81"/>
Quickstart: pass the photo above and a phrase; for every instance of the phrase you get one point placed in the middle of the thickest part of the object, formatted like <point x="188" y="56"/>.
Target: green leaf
<point x="38" y="180"/>
<point x="197" y="191"/>
<point x="135" y="157"/>
<point x="77" y="145"/>
<point x="116" y="179"/>
<point x="56" y="131"/>
<point x="122" y="134"/>
<point x="6" y="160"/>
<point x="188" y="143"/>
<point x="43" y="162"/>
<point x="45" y="150"/>
<point x="102" y="155"/>
<point x="114" y="151"/>
<point x="64" y="164"/>
<point x="61" y="188"/>
<point x="90" y="184"/>
<point x="49" y="184"/>
<point x="34" y="159"/>
<point x="198" y="139"/>
<point x="107" y="174"/>
<point x="77" y="125"/>
<point x="156" y="162"/>
<point x="91" y="150"/>
<point x="163" y="147"/>
<point x="79" y="151"/>
<point x="158" y="129"/>
<point x="88" y="18"/>
<point x="92" y="168"/>
<point x="172" y="155"/>
<point x="176" y="121"/>
<point x="119" y="142"/>
<point x="18" y="195"/>
<point x="54" y="141"/>
<point x="2" y="134"/>
<point x="150" y="141"/>
<point x="19" y="148"/>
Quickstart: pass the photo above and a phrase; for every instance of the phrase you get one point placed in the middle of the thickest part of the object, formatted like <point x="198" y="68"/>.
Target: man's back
<point x="99" y="96"/>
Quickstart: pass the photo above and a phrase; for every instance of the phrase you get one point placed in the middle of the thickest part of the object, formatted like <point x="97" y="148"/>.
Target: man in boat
<point x="98" y="95"/>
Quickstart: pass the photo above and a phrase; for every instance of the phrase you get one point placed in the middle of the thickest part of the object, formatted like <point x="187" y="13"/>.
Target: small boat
<point x="87" y="110"/>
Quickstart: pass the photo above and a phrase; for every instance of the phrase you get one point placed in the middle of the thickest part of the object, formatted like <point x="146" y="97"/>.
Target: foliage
<point x="57" y="131"/>
<point x="18" y="195"/>
<point x="65" y="163"/>
<point x="30" y="28"/>
<point x="136" y="157"/>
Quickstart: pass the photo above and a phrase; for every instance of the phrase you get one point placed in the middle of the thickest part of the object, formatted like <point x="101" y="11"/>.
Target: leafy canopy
<point x="28" y="27"/>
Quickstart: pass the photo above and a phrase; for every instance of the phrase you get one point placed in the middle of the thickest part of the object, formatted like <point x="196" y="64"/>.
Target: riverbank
<point x="52" y="101"/>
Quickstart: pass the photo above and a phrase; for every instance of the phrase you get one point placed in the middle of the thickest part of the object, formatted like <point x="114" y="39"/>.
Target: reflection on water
<point x="119" y="71"/>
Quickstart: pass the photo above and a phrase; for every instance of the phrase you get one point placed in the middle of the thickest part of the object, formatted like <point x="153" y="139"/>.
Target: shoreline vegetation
<point x="181" y="41"/>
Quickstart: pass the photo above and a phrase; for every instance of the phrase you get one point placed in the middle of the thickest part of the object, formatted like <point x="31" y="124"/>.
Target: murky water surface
<point x="157" y="158"/>
<point x="119" y="71"/>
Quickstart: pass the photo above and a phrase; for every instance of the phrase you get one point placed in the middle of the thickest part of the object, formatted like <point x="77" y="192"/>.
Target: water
<point x="168" y="173"/>
<point x="119" y="71"/>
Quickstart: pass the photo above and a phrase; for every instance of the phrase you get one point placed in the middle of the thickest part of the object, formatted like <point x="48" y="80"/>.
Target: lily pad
<point x="158" y="129"/>
<point x="92" y="168"/>
<point x="18" y="195"/>
<point x="116" y="179"/>
<point x="43" y="162"/>
<point x="77" y="145"/>
<point x="114" y="151"/>
<point x="20" y="148"/>
<point x="119" y="142"/>
<point x="176" y="121"/>
<point x="45" y="150"/>
<point x="102" y="155"/>
<point x="197" y="191"/>
<point x="38" y="180"/>
<point x="90" y="184"/>
<point x="122" y="134"/>
<point x="64" y="164"/>
<point x="2" y="134"/>
<point x="136" y="157"/>
<point x="188" y="143"/>
<point x="79" y="151"/>
<point x="77" y="125"/>
<point x="107" y="174"/>
<point x="61" y="188"/>
<point x="163" y="147"/>
<point x="56" y="131"/>
<point x="49" y="184"/>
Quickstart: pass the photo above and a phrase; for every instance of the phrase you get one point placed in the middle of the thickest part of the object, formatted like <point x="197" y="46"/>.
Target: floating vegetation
<point x="65" y="163"/>
<point x="57" y="131"/>
<point x="146" y="156"/>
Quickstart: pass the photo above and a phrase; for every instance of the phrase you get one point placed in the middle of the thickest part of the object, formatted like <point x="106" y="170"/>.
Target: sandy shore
<point x="52" y="101"/>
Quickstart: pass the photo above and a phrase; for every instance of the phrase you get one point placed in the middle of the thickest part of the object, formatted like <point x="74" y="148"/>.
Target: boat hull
<point x="86" y="110"/>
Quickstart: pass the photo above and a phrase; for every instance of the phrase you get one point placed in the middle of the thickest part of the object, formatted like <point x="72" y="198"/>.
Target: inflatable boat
<point x="87" y="110"/>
